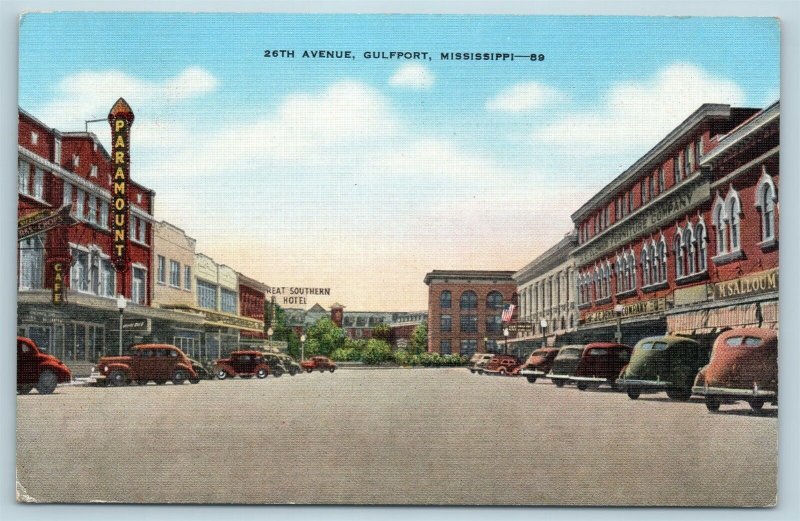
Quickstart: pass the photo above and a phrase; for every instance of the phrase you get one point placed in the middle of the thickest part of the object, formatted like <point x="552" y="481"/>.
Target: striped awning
<point x="769" y="314"/>
<point x="687" y="323"/>
<point x="733" y="316"/>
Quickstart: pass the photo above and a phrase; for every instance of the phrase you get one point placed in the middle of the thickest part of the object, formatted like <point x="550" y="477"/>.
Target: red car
<point x="38" y="369"/>
<point x="601" y="363"/>
<point x="318" y="363"/>
<point x="743" y="366"/>
<point x="157" y="362"/>
<point x="539" y="363"/>
<point x="503" y="365"/>
<point x="246" y="364"/>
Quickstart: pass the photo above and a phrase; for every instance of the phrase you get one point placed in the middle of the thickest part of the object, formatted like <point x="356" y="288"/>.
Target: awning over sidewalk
<point x="687" y="323"/>
<point x="769" y="314"/>
<point x="733" y="316"/>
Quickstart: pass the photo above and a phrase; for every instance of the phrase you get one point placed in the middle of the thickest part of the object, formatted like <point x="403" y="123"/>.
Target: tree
<point x="281" y="330"/>
<point x="377" y="351"/>
<point x="418" y="343"/>
<point x="382" y="332"/>
<point x="326" y="336"/>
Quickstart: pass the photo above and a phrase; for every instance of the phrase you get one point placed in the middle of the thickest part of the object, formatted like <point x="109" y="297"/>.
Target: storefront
<point x="223" y="333"/>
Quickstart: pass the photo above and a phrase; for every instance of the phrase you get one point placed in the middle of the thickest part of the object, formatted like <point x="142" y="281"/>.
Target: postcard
<point x="397" y="259"/>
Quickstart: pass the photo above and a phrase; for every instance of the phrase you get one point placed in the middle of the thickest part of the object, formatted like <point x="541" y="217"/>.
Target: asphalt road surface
<point x="399" y="436"/>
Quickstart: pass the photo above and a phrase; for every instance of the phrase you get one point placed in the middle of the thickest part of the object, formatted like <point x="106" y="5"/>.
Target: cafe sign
<point x="644" y="307"/>
<point x="43" y="220"/>
<point x="58" y="283"/>
<point x="652" y="217"/>
<point x="120" y="118"/>
<point x="757" y="283"/>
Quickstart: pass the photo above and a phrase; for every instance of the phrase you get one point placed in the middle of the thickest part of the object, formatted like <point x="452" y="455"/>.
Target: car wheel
<point x="559" y="383"/>
<point x="141" y="382"/>
<point x="532" y="379"/>
<point x="683" y="395"/>
<point x="222" y="374"/>
<point x="194" y="380"/>
<point x="117" y="378"/>
<point x="262" y="373"/>
<point x="277" y="374"/>
<point x="292" y="372"/>
<point x="712" y="403"/>
<point x="332" y="369"/>
<point x="24" y="389"/>
<point x="179" y="377"/>
<point x="308" y="370"/>
<point x="633" y="394"/>
<point x="582" y="386"/>
<point x="47" y="382"/>
<point x="756" y="405"/>
<point x="501" y="372"/>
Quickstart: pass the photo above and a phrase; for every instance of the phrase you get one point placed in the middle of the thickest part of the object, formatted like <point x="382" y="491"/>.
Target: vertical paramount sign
<point x="120" y="118"/>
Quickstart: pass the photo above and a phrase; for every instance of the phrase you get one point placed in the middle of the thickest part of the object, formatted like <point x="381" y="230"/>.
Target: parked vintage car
<point x="205" y="371"/>
<point x="565" y="363"/>
<point x="478" y="362"/>
<point x="276" y="367"/>
<point x="291" y="365"/>
<point x="245" y="364"/>
<point x="539" y="363"/>
<point x="318" y="363"/>
<point x="743" y="366"/>
<point x="157" y="362"/>
<point x="502" y="365"/>
<point x="36" y="369"/>
<point x="601" y="363"/>
<point x="663" y="363"/>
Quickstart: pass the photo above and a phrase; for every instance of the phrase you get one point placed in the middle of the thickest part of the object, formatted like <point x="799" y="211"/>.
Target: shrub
<point x="376" y="352"/>
<point x="346" y="354"/>
<point x="401" y="357"/>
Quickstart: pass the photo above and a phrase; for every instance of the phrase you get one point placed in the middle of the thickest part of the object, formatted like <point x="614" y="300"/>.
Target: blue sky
<point x="362" y="175"/>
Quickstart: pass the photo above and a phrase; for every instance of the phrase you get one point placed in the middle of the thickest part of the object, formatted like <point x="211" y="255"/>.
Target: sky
<point x="362" y="175"/>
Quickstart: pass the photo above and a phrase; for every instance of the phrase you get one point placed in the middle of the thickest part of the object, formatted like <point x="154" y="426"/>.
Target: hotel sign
<point x="120" y="118"/>
<point x="656" y="215"/>
<point x="761" y="282"/>
<point x="644" y="307"/>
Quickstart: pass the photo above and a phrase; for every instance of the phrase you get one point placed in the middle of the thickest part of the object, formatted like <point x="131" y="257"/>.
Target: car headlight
<point x="104" y="368"/>
<point x="94" y="369"/>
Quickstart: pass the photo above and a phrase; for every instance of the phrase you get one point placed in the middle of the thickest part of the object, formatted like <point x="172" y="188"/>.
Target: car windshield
<point x="654" y="346"/>
<point x="570" y="353"/>
<point x="597" y="352"/>
<point x="747" y="341"/>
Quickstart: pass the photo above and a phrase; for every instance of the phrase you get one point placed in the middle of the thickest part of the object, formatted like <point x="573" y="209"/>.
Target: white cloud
<point x="634" y="116"/>
<point x="524" y="97"/>
<point x="90" y="94"/>
<point x="412" y="75"/>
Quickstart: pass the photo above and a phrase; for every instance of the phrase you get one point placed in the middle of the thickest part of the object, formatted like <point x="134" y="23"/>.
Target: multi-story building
<point x="465" y="309"/>
<point x="252" y="297"/>
<point x="68" y="287"/>
<point x="547" y="304"/>
<point x="403" y="326"/>
<point x="650" y="239"/>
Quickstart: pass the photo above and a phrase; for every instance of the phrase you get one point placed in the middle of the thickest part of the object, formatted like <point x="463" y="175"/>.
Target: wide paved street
<point x="390" y="436"/>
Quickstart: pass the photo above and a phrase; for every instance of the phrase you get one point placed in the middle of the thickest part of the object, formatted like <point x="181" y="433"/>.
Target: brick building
<point x="464" y="310"/>
<point x="648" y="243"/>
<point x="252" y="296"/>
<point x="78" y="319"/>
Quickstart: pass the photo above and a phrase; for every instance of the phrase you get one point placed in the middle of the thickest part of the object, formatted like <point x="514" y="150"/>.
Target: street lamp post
<point x="269" y="336"/>
<point x="618" y="309"/>
<point x="121" y="303"/>
<point x="505" y="334"/>
<point x="486" y="344"/>
<point x="302" y="347"/>
<point x="543" y="323"/>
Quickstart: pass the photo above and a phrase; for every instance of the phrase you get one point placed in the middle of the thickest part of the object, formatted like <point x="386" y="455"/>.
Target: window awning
<point x="734" y="316"/>
<point x="687" y="323"/>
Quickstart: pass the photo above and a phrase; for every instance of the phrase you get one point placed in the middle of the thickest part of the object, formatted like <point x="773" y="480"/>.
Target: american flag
<point x="508" y="312"/>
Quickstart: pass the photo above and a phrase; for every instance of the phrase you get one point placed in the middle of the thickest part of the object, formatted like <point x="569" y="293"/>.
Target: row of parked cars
<point x="742" y="365"/>
<point x="159" y="363"/>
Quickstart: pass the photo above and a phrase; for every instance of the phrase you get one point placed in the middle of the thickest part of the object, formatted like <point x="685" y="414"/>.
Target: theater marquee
<point x="120" y="118"/>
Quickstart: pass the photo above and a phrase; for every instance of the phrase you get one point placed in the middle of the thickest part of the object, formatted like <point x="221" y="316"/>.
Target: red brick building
<point x="252" y="297"/>
<point x="660" y="238"/>
<point x="464" y="310"/>
<point x="55" y="169"/>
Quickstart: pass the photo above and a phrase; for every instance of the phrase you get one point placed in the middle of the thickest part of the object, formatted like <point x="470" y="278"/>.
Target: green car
<point x="291" y="365"/>
<point x="663" y="363"/>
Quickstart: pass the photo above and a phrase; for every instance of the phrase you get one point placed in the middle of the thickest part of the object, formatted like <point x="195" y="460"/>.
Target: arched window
<point x="765" y="202"/>
<point x="608" y="279"/>
<point x="620" y="273"/>
<point x="720" y="224"/>
<point x="563" y="323"/>
<point x="654" y="263"/>
<point x="597" y="291"/>
<point x="734" y="211"/>
<point x="691" y="251"/>
<point x="631" y="270"/>
<point x="494" y="300"/>
<point x="645" y="267"/>
<point x="700" y="242"/>
<point x="679" y="256"/>
<point x="661" y="258"/>
<point x="469" y="300"/>
<point x="445" y="299"/>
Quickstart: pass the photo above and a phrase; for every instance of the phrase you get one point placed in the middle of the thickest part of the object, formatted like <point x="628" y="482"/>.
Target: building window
<point x="161" y="271"/>
<point x="444" y="347"/>
<point x="76" y="160"/>
<point x="734" y="211"/>
<point x="700" y="238"/>
<point x="143" y="231"/>
<point x="206" y="295"/>
<point x="469" y="323"/>
<point x="698" y="149"/>
<point x="765" y="202"/>
<point x="104" y="214"/>
<point x="618" y="209"/>
<point x="494" y="300"/>
<point x="445" y="323"/>
<point x="174" y="274"/>
<point x="93" y="171"/>
<point x="31" y="263"/>
<point x="469" y="300"/>
<point x="79" y="271"/>
<point x="644" y="189"/>
<point x="57" y="151"/>
<point x="23" y="177"/>
<point x="67" y="193"/>
<point x="468" y="347"/>
<point x="661" y="259"/>
<point x="494" y="324"/>
<point x="109" y="279"/>
<point x="645" y="267"/>
<point x="445" y="299"/>
<point x="80" y="210"/>
<point x="677" y="168"/>
<point x="38" y="183"/>
<point x="719" y="221"/>
<point x="34" y="138"/>
<point x="662" y="182"/>
<point x="92" y="209"/>
<point x="688" y="157"/>
<point x="690" y="250"/>
<point x="139" y="293"/>
<point x="187" y="277"/>
<point x="228" y="301"/>
<point x="680" y="258"/>
<point x="630" y="200"/>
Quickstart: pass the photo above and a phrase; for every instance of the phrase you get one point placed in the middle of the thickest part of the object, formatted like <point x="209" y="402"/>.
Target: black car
<point x="203" y="372"/>
<point x="276" y="366"/>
